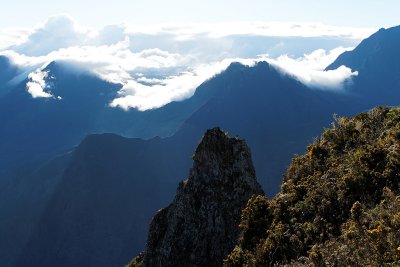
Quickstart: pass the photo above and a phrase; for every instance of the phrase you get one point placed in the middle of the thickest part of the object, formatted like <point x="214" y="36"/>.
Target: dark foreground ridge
<point x="199" y="228"/>
<point x="339" y="204"/>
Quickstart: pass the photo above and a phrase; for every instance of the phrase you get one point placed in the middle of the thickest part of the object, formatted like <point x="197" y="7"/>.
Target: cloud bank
<point x="158" y="64"/>
<point x="309" y="69"/>
<point x="57" y="32"/>
<point x="234" y="39"/>
<point x="173" y="88"/>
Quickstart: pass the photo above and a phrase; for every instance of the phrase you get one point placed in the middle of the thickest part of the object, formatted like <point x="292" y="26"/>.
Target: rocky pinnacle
<point x="200" y="226"/>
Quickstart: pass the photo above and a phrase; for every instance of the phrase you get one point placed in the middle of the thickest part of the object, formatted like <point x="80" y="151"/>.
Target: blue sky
<point x="97" y="13"/>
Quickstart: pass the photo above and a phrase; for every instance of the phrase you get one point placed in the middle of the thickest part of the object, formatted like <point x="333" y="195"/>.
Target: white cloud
<point x="309" y="69"/>
<point x="57" y="32"/>
<point x="137" y="95"/>
<point x="159" y="64"/>
<point x="37" y="84"/>
<point x="62" y="31"/>
<point x="260" y="28"/>
<point x="13" y="36"/>
<point x="153" y="78"/>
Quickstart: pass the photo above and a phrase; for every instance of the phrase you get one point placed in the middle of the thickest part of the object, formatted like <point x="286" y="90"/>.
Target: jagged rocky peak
<point x="200" y="226"/>
<point x="219" y="157"/>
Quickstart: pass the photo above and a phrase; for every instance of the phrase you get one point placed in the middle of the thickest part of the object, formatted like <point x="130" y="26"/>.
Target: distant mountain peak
<point x="380" y="48"/>
<point x="376" y="60"/>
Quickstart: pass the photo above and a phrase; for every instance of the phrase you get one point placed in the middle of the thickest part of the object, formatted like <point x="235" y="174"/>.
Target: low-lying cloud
<point x="310" y="69"/>
<point x="37" y="85"/>
<point x="173" y="88"/>
<point x="156" y="65"/>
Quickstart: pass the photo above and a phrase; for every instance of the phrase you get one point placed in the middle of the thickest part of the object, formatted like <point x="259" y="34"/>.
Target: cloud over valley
<point x="158" y="64"/>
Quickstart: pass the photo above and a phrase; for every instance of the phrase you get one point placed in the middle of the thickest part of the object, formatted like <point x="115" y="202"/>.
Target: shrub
<point x="337" y="205"/>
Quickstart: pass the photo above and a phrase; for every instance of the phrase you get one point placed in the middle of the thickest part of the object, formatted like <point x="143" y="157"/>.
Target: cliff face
<point x="200" y="226"/>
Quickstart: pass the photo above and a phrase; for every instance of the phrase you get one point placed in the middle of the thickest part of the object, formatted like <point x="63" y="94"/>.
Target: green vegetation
<point x="339" y="204"/>
<point x="137" y="261"/>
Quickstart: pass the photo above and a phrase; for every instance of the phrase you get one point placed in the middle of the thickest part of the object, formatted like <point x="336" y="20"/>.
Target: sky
<point x="161" y="51"/>
<point x="98" y="13"/>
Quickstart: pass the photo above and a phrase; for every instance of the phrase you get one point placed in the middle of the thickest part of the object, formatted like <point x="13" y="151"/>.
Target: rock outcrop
<point x="200" y="227"/>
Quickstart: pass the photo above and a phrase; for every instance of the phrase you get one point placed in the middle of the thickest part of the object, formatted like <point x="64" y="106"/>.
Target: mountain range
<point x="91" y="204"/>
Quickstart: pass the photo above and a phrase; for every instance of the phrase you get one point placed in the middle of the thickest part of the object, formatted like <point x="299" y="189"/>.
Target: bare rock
<point x="200" y="226"/>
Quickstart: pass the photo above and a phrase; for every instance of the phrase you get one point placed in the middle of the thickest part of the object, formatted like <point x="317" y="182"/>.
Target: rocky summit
<point x="200" y="226"/>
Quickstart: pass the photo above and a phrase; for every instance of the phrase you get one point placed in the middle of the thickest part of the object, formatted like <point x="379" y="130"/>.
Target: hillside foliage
<point x="339" y="204"/>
